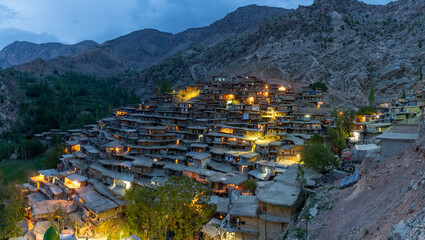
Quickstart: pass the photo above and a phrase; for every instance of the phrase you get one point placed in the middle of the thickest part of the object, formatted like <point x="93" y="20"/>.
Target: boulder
<point x="350" y="180"/>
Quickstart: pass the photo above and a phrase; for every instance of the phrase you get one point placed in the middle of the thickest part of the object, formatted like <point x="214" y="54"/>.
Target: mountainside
<point x="140" y="49"/>
<point x="388" y="202"/>
<point x="22" y="52"/>
<point x="345" y="43"/>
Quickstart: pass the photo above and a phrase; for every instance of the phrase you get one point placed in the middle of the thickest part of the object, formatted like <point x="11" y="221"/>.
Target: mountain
<point x="22" y="52"/>
<point x="345" y="43"/>
<point x="143" y="48"/>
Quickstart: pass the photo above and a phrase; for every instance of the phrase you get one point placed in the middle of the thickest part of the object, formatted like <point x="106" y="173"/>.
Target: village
<point x="223" y="134"/>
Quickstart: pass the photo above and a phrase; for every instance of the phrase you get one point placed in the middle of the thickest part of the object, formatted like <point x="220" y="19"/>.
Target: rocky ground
<point x="388" y="202"/>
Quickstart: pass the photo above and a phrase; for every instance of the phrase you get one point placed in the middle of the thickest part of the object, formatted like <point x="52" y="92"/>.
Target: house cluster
<point x="221" y="134"/>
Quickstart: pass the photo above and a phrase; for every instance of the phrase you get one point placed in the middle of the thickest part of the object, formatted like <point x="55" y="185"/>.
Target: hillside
<point x="389" y="192"/>
<point x="143" y="48"/>
<point x="346" y="43"/>
<point x="22" y="52"/>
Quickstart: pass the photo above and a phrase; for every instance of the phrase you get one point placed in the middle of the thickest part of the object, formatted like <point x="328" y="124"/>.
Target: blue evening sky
<point x="71" y="21"/>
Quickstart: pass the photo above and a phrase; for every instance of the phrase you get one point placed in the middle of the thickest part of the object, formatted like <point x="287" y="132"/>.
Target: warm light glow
<point x="176" y="161"/>
<point x="250" y="100"/>
<point x="282" y="88"/>
<point x="76" y="148"/>
<point x="186" y="95"/>
<point x="120" y="113"/>
<point x="266" y="94"/>
<point x="266" y="86"/>
<point x="227" y="130"/>
<point x="178" y="142"/>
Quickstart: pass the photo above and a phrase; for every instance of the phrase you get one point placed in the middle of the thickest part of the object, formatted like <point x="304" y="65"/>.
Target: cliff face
<point x="347" y="44"/>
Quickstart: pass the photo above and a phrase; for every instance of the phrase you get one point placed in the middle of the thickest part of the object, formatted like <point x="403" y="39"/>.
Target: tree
<point x="250" y="186"/>
<point x="316" y="139"/>
<point x="371" y="95"/>
<point x="318" y="157"/>
<point x="421" y="74"/>
<point x="52" y="155"/>
<point x="11" y="210"/>
<point x="403" y="95"/>
<point x="181" y="206"/>
<point x="320" y="85"/>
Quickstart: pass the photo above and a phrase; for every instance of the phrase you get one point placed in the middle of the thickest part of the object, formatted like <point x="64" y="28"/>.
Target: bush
<point x="320" y="85"/>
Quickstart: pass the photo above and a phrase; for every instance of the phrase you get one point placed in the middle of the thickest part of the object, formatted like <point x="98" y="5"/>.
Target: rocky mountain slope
<point x="345" y="43"/>
<point x="9" y="93"/>
<point x="22" y="52"/>
<point x="388" y="202"/>
<point x="143" y="48"/>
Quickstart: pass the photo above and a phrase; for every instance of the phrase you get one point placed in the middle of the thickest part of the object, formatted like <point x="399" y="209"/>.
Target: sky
<point x="72" y="21"/>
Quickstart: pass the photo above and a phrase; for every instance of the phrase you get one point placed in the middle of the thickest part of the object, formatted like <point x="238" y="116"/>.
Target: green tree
<point x="316" y="139"/>
<point x="11" y="210"/>
<point x="403" y="95"/>
<point x="421" y="74"/>
<point x="335" y="140"/>
<point x="250" y="186"/>
<point x="318" y="157"/>
<point x="180" y="206"/>
<point x="371" y="97"/>
<point x="52" y="155"/>
<point x="320" y="85"/>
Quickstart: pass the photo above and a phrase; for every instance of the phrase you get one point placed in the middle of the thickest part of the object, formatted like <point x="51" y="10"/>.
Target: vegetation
<point x="320" y="85"/>
<point x="371" y="97"/>
<point x="180" y="207"/>
<point x="11" y="210"/>
<point x="250" y="186"/>
<point x="366" y="110"/>
<point x="343" y="125"/>
<point x="53" y="102"/>
<point x="317" y="156"/>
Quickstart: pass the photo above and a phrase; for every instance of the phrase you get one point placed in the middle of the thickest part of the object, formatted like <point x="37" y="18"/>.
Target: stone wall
<point x="391" y="147"/>
<point x="405" y="128"/>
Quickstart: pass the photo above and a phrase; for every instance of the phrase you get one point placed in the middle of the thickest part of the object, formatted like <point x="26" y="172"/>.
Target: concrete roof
<point x="228" y="178"/>
<point x="175" y="167"/>
<point x="221" y="167"/>
<point x="48" y="172"/>
<point x="367" y="147"/>
<point x="142" y="162"/>
<point x="200" y="171"/>
<point x="290" y="175"/>
<point x="221" y="203"/>
<point x="48" y="206"/>
<point x="76" y="177"/>
<point x="296" y="140"/>
<point x="94" y="201"/>
<point x="279" y="193"/>
<point x="245" y="206"/>
<point x="399" y="136"/>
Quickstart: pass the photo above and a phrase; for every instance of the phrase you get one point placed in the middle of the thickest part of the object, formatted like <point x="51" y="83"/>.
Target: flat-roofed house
<point x="96" y="208"/>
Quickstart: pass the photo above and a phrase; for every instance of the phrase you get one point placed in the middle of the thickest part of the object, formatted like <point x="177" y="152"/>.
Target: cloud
<point x="99" y="20"/>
